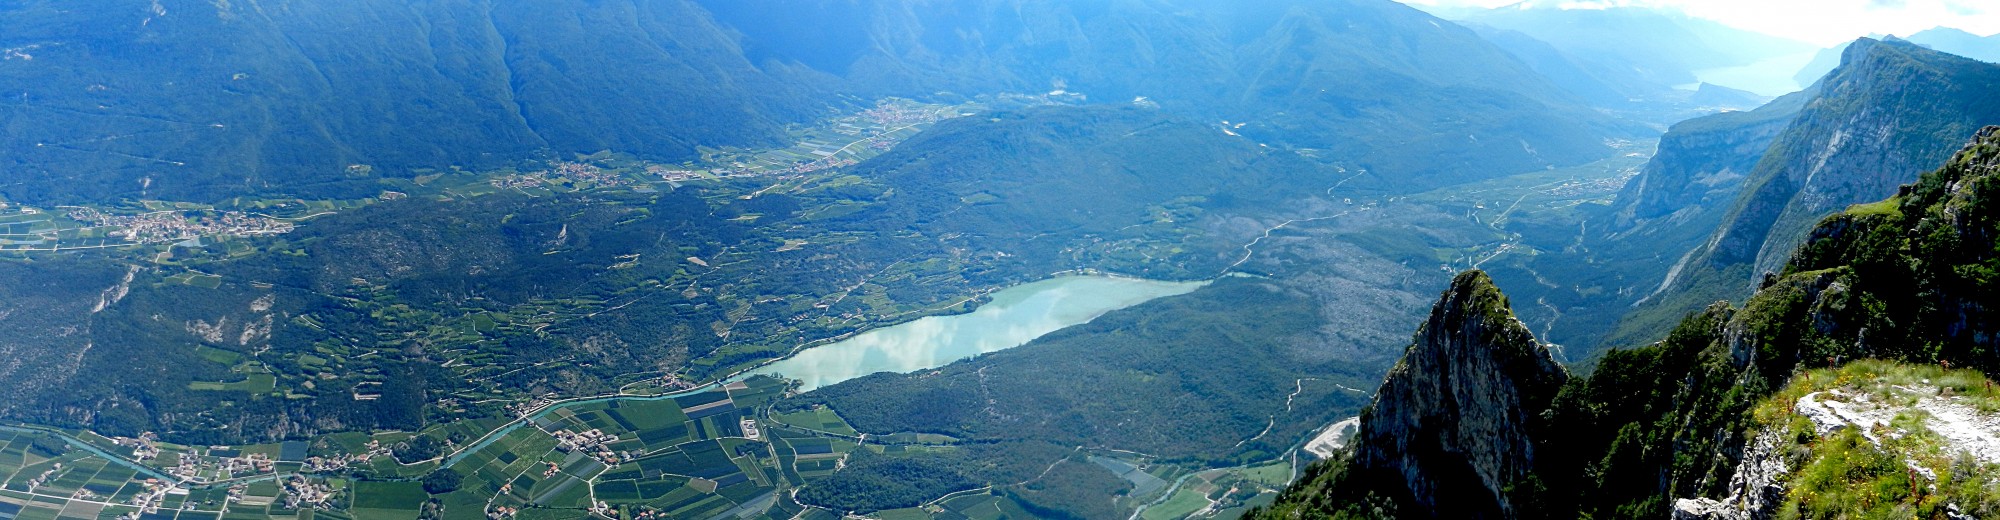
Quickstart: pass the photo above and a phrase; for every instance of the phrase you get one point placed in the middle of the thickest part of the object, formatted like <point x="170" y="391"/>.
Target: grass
<point x="1889" y="206"/>
<point x="1277" y="474"/>
<point x="819" y="418"/>
<point x="1183" y="502"/>
<point x="218" y="355"/>
<point x="387" y="500"/>
<point x="1845" y="475"/>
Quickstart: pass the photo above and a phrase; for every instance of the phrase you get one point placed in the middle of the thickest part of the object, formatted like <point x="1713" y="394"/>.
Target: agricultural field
<point x="695" y="455"/>
<point x="691" y="456"/>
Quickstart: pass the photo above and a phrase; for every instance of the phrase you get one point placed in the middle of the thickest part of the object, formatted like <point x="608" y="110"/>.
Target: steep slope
<point x="1618" y="255"/>
<point x="1700" y="165"/>
<point x="1880" y="119"/>
<point x="188" y="100"/>
<point x="1662" y="46"/>
<point x="1454" y="431"/>
<point x="1942" y="39"/>
<point x="1907" y="279"/>
<point x="1368" y="83"/>
<point x="1588" y="80"/>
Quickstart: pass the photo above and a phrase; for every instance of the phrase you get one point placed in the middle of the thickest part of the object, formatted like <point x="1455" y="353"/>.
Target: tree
<point x="442" y="481"/>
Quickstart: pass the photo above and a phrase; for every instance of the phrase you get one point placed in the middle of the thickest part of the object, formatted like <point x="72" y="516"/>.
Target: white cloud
<point x="1823" y="22"/>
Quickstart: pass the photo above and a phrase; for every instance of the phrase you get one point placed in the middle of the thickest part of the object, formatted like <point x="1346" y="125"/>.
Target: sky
<point x="1821" y="22"/>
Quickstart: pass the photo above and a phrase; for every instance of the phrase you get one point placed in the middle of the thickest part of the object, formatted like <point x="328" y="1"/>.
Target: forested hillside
<point x="186" y="100"/>
<point x="202" y="101"/>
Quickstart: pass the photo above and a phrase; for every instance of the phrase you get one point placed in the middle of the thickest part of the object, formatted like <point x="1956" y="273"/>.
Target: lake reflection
<point x="1015" y="316"/>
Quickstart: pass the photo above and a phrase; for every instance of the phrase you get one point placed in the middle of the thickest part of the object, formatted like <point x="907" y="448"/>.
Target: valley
<point x="983" y="259"/>
<point x="503" y="463"/>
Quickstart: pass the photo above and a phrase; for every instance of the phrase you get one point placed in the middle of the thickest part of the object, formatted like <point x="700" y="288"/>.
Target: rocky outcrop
<point x="1456" y="423"/>
<point x="1755" y="491"/>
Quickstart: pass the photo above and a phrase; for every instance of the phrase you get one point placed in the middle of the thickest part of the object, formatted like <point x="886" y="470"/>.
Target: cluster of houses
<point x="594" y="442"/>
<point x="155" y="493"/>
<point x="562" y="170"/>
<point x="145" y="447"/>
<point x="190" y="468"/>
<point x="175" y="226"/>
<point x="373" y="449"/>
<point x="301" y="492"/>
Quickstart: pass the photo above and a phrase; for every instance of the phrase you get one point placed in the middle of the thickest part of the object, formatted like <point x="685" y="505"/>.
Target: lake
<point x="1015" y="316"/>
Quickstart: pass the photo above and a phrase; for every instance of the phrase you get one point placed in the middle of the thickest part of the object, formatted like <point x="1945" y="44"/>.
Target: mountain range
<point x="204" y="101"/>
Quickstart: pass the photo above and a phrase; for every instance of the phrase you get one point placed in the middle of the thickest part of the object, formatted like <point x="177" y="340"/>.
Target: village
<point x="562" y="172"/>
<point x="175" y="226"/>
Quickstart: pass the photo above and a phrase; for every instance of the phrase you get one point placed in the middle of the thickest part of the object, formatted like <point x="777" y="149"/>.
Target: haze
<point x="1822" y="22"/>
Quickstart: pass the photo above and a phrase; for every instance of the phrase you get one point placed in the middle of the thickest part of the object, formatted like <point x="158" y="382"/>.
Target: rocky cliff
<point x="1729" y="416"/>
<point x="1890" y="112"/>
<point x="1455" y="428"/>
<point x="1701" y="164"/>
<point x="1456" y="419"/>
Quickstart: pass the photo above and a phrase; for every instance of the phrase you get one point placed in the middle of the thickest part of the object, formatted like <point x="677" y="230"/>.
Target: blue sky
<point x="1822" y="22"/>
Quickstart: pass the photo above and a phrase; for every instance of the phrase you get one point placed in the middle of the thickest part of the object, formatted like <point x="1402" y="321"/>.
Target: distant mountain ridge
<point x="1657" y="46"/>
<point x="1369" y="83"/>
<point x="199" y="101"/>
<point x="1942" y="39"/>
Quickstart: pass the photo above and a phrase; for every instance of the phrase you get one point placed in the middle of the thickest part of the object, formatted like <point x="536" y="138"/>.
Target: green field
<point x="387" y="500"/>
<point x="1183" y="502"/>
<point x="817" y="419"/>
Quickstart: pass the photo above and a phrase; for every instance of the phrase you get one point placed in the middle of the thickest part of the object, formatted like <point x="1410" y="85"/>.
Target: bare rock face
<point x="1755" y="491"/>
<point x="1456" y="421"/>
<point x="1891" y="112"/>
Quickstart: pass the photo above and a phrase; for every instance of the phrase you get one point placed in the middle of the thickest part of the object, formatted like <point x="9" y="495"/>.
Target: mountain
<point x="1943" y="39"/>
<point x="197" y="101"/>
<point x="1709" y="421"/>
<point x="1368" y="83"/>
<point x="1701" y="164"/>
<point x="1946" y="39"/>
<point x="1453" y="431"/>
<point x="1591" y="81"/>
<point x="1888" y="111"/>
<point x="201" y="101"/>
<point x="1663" y="47"/>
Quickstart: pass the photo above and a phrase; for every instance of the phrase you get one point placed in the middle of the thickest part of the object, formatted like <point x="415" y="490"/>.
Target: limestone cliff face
<point x="1701" y="164"/>
<point x="1891" y="112"/>
<point x="1457" y="419"/>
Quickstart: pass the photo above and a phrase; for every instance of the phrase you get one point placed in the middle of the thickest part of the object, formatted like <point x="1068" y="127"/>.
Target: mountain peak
<point x="1456" y="423"/>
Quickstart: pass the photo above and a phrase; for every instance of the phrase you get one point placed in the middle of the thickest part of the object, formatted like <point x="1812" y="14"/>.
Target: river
<point x="1015" y="316"/>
